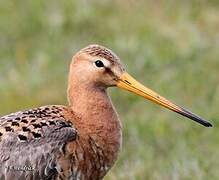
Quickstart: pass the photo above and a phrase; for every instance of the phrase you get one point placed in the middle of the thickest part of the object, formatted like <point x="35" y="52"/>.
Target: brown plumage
<point x="80" y="141"/>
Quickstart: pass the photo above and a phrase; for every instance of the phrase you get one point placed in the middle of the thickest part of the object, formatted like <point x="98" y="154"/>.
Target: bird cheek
<point x="112" y="81"/>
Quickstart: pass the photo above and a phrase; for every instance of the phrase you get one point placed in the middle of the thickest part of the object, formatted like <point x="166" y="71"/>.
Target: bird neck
<point x="94" y="107"/>
<point x="87" y="99"/>
<point x="96" y="119"/>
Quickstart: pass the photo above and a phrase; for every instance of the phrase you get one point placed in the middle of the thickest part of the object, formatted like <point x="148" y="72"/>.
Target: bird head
<point x="97" y="66"/>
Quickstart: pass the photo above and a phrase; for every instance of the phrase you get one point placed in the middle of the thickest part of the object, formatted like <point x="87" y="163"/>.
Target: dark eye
<point x="99" y="63"/>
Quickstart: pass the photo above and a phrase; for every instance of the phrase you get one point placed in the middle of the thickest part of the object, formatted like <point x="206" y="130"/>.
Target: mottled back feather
<point x="31" y="142"/>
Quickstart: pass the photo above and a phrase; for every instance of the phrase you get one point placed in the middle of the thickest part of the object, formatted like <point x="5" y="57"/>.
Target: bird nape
<point x="78" y="141"/>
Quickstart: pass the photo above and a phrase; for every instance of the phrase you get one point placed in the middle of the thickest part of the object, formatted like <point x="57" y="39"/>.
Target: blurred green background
<point x="170" y="46"/>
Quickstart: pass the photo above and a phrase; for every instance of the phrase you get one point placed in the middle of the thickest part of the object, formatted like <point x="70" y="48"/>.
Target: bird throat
<point x="94" y="107"/>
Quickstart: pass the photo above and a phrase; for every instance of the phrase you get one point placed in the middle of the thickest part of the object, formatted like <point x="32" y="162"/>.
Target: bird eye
<point x="99" y="63"/>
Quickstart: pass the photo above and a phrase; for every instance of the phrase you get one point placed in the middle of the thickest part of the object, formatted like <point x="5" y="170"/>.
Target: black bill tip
<point x="194" y="117"/>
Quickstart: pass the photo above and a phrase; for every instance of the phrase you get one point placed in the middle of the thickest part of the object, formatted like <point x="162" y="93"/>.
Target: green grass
<point x="170" y="46"/>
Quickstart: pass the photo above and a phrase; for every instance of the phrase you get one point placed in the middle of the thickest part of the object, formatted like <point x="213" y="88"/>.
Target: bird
<point x="81" y="140"/>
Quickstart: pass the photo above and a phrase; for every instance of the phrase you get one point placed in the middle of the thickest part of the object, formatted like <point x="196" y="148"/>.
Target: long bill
<point x="127" y="82"/>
